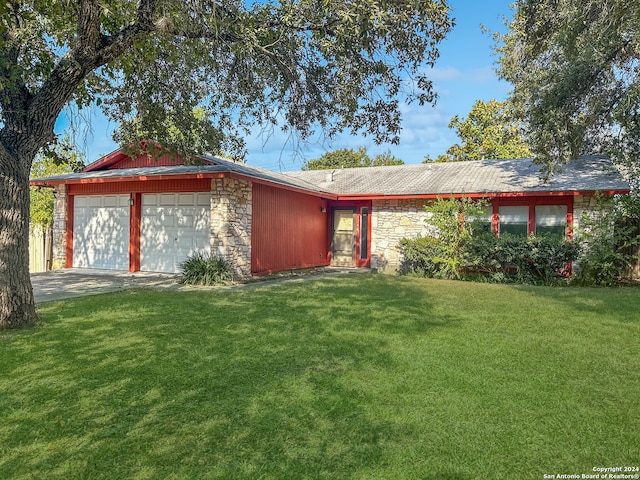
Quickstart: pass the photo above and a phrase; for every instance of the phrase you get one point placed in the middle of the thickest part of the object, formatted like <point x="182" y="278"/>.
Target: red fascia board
<point x="38" y="183"/>
<point x="571" y="193"/>
<point x="106" y="161"/>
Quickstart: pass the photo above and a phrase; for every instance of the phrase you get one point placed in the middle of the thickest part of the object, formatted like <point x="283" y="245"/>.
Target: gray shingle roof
<point x="588" y="173"/>
<point x="222" y="166"/>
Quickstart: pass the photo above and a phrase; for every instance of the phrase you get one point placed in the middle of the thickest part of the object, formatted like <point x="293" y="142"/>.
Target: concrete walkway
<point x="79" y="282"/>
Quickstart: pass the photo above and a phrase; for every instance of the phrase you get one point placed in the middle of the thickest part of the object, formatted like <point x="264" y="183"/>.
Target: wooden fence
<point x="633" y="272"/>
<point x="40" y="249"/>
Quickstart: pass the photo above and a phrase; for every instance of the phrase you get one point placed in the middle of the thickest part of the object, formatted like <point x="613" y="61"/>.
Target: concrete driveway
<point x="77" y="282"/>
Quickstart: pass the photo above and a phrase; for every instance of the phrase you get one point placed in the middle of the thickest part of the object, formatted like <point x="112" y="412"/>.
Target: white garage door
<point x="173" y="227"/>
<point x="101" y="231"/>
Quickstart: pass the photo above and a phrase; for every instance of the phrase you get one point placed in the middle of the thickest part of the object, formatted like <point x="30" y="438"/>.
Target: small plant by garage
<point x="205" y="269"/>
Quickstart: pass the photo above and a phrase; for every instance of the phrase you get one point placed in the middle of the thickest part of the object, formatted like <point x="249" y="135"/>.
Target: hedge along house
<point x="150" y="214"/>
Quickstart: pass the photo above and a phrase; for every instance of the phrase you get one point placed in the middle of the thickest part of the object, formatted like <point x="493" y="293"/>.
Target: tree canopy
<point x="304" y="64"/>
<point x="349" y="158"/>
<point x="490" y="132"/>
<point x="61" y="158"/>
<point x="574" y="68"/>
<point x="209" y="69"/>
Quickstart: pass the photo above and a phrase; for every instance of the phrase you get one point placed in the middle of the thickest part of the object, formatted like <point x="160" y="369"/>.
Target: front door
<point x="343" y="245"/>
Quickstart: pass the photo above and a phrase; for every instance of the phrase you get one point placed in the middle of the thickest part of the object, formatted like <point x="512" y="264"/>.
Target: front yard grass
<point x="356" y="377"/>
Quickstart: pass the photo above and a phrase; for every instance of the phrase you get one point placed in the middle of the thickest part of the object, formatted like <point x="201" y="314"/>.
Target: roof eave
<point x="542" y="193"/>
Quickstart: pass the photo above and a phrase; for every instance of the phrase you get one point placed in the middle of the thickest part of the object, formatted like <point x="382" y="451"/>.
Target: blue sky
<point x="463" y="74"/>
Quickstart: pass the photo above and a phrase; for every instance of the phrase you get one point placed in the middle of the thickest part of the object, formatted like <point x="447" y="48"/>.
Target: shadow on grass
<point x="259" y="384"/>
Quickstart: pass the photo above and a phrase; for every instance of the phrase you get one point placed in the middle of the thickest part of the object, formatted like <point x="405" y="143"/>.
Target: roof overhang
<point x="88" y="178"/>
<point x="541" y="193"/>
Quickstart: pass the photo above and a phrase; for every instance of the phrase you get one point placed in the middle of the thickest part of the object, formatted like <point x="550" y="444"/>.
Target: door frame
<point x="362" y="256"/>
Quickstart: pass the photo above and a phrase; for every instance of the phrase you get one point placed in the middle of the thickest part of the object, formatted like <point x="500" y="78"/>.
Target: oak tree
<point x="490" y="131"/>
<point x="574" y="68"/>
<point x="350" y="158"/>
<point x="302" y="64"/>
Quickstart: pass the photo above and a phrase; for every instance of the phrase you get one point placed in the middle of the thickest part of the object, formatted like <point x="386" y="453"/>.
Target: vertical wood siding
<point x="148" y="186"/>
<point x="289" y="230"/>
<point x="144" y="160"/>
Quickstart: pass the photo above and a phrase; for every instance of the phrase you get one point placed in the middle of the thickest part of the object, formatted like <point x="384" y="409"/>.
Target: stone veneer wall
<point x="59" y="258"/>
<point x="582" y="204"/>
<point x="391" y="221"/>
<point x="231" y="223"/>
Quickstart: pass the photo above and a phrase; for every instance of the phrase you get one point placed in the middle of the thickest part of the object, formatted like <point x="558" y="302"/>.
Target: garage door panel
<point x="167" y="199"/>
<point x="186" y="221"/>
<point x="203" y="199"/>
<point x="174" y="227"/>
<point x="101" y="232"/>
<point x="187" y="199"/>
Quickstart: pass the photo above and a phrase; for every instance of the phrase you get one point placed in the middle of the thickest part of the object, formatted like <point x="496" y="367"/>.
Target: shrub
<point x="609" y="236"/>
<point x="463" y="250"/>
<point x="205" y="269"/>
<point x="540" y="260"/>
<point x="442" y="255"/>
<point x="421" y="256"/>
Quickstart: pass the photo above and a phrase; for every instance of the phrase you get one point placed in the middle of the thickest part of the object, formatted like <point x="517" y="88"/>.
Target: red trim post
<point x="569" y="231"/>
<point x="531" y="227"/>
<point x="135" y="215"/>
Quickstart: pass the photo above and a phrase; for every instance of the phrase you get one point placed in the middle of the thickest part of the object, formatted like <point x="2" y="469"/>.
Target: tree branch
<point x="92" y="51"/>
<point x="89" y="25"/>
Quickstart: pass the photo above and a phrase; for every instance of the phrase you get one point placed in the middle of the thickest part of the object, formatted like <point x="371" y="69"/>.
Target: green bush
<point x="464" y="250"/>
<point x="609" y="235"/>
<point x="421" y="256"/>
<point x="442" y="255"/>
<point x="538" y="260"/>
<point x="205" y="269"/>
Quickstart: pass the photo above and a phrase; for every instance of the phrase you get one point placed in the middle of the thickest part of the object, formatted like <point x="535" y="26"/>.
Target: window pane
<point x="364" y="233"/>
<point x="482" y="222"/>
<point x="514" y="220"/>
<point x="551" y="220"/>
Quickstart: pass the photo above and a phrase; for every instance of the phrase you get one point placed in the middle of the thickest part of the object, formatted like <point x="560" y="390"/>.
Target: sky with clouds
<point x="463" y="74"/>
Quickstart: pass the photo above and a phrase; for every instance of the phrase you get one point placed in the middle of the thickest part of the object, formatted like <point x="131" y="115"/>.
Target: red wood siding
<point x="148" y="186"/>
<point x="118" y="160"/>
<point x="147" y="161"/>
<point x="288" y="230"/>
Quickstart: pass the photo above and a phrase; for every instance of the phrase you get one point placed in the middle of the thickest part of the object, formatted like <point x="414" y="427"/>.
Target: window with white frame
<point x="514" y="220"/>
<point x="551" y="220"/>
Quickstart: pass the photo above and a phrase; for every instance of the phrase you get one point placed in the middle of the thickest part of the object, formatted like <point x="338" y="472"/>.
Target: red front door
<point x="351" y="232"/>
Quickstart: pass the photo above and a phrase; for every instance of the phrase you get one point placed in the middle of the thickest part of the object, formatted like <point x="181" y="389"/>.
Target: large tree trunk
<point x="17" y="305"/>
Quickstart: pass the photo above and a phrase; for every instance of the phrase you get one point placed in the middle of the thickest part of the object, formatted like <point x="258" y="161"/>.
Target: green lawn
<point x="356" y="377"/>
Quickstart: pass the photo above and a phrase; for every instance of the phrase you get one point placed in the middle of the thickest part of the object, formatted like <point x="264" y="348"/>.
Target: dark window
<point x="364" y="232"/>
